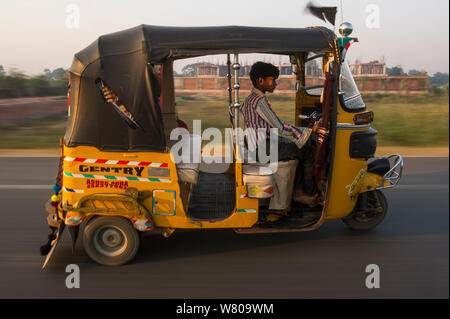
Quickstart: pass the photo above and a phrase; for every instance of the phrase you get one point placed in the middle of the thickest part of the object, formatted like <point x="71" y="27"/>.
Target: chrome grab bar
<point x="394" y="175"/>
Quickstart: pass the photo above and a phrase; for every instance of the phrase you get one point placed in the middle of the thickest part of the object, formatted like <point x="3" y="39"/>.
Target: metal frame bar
<point x="394" y="175"/>
<point x="230" y="98"/>
<point x="237" y="105"/>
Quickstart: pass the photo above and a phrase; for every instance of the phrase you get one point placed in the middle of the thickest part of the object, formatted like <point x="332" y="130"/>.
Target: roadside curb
<point x="407" y="151"/>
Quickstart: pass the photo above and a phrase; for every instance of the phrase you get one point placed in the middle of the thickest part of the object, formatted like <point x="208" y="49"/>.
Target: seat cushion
<point x="258" y="170"/>
<point x="187" y="175"/>
<point x="187" y="169"/>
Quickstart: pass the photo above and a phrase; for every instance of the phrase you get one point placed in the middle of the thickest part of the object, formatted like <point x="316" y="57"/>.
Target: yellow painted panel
<point x="97" y="184"/>
<point x="346" y="171"/>
<point x="164" y="202"/>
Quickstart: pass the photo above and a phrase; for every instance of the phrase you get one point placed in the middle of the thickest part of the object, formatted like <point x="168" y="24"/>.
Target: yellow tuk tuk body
<point x="349" y="175"/>
<point x="88" y="171"/>
<point x="116" y="161"/>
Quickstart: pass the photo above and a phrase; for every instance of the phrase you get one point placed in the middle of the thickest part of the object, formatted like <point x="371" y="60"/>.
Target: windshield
<point x="314" y="76"/>
<point x="351" y="97"/>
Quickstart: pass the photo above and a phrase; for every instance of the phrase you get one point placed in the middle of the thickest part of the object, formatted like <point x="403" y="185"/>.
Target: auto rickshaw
<point x="118" y="178"/>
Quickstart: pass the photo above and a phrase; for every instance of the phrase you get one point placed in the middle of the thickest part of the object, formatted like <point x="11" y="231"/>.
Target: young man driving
<point x="259" y="115"/>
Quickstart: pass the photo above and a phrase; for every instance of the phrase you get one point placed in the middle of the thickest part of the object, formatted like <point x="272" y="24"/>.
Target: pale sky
<point x="34" y="34"/>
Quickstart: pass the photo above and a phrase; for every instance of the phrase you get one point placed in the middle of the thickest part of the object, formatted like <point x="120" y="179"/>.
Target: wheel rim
<point x="372" y="213"/>
<point x="365" y="217"/>
<point x="110" y="241"/>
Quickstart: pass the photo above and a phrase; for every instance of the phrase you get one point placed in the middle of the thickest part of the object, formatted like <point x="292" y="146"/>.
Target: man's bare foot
<point x="301" y="197"/>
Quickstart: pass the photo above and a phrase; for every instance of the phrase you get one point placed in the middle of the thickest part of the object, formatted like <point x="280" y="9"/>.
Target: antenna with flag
<point x="327" y="14"/>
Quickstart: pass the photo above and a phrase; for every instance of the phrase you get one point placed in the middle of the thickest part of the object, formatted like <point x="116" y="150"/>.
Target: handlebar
<point x="313" y="118"/>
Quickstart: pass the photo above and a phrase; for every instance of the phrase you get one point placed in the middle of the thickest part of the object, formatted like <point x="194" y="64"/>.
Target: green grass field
<point x="399" y="120"/>
<point x="411" y="121"/>
<point x="35" y="134"/>
<point x="213" y="111"/>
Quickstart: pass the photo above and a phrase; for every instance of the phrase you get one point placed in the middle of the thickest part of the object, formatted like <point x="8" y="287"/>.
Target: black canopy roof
<point x="161" y="42"/>
<point x="123" y="61"/>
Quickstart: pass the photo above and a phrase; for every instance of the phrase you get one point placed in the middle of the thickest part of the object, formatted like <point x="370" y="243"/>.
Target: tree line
<point x="438" y="78"/>
<point x="16" y="83"/>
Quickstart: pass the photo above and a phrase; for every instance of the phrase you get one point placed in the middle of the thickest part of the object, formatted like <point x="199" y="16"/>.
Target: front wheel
<point x="110" y="240"/>
<point x="369" y="211"/>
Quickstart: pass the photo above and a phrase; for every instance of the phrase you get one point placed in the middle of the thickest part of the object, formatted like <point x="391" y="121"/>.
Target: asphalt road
<point x="410" y="247"/>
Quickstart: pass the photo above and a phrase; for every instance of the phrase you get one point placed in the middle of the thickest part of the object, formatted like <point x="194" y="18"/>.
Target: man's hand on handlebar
<point x="306" y="133"/>
<point x="322" y="134"/>
<point x="319" y="133"/>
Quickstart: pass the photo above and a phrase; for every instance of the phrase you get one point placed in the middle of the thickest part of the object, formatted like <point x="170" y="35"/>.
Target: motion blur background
<point x="401" y="66"/>
<point x="407" y="39"/>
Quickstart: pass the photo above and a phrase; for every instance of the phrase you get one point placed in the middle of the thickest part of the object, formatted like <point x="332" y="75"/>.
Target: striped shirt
<point x="259" y="116"/>
<point x="256" y="127"/>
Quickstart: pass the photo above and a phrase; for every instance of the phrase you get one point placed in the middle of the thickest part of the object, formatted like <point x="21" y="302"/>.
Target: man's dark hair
<point x="262" y="70"/>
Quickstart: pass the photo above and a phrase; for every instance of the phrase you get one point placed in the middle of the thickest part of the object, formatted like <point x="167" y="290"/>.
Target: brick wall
<point x="286" y="85"/>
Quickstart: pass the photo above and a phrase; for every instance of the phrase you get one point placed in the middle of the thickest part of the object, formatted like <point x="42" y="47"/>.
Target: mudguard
<point x="54" y="243"/>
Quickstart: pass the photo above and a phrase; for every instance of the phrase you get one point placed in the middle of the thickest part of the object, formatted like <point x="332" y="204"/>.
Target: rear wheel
<point x="110" y="240"/>
<point x="369" y="211"/>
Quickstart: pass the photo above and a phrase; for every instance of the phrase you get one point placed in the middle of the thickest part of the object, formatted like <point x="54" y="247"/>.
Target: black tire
<point x="110" y="240"/>
<point x="369" y="219"/>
